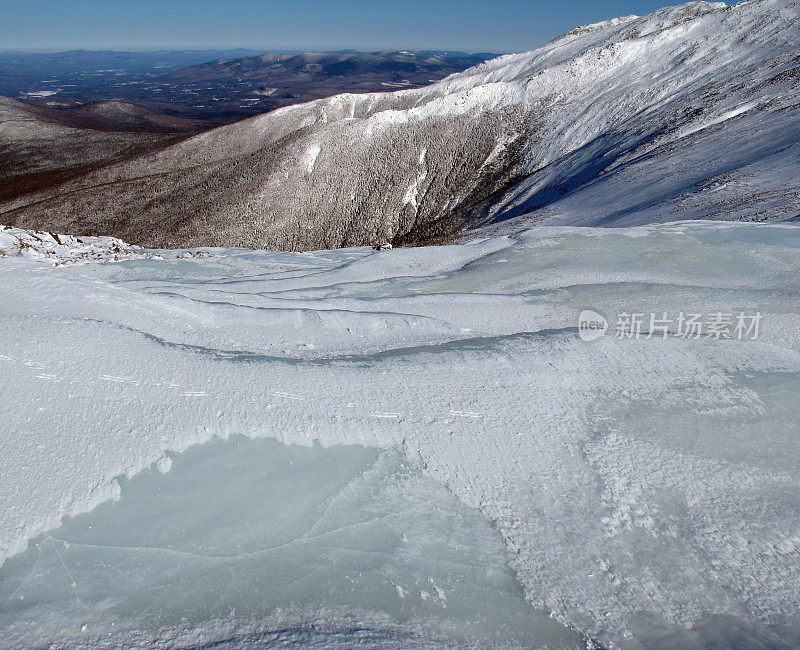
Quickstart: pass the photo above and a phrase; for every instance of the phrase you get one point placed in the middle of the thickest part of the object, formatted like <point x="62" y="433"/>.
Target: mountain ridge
<point x="44" y="147"/>
<point x="406" y="60"/>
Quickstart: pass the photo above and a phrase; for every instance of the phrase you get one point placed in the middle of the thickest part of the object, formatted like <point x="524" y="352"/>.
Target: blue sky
<point x="471" y="25"/>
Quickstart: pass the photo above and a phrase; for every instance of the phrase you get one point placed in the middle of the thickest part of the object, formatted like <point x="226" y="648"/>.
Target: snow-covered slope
<point x="689" y="112"/>
<point x="646" y="487"/>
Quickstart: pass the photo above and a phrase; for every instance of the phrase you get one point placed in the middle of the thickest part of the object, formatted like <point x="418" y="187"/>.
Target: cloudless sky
<point x="469" y="25"/>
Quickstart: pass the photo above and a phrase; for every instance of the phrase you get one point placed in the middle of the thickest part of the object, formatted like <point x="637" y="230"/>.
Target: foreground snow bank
<point x="64" y="249"/>
<point x="645" y="486"/>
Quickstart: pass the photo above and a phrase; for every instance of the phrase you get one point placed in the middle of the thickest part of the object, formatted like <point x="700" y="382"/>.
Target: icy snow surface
<point x="252" y="533"/>
<point x="646" y="491"/>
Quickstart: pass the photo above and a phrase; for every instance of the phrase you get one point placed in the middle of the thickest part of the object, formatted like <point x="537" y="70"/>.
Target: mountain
<point x="689" y="112"/>
<point x="41" y="146"/>
<point x="289" y="69"/>
<point x="313" y="75"/>
<point x="99" y="116"/>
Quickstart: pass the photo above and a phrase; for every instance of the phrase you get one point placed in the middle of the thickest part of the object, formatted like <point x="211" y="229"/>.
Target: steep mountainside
<point x="689" y="112"/>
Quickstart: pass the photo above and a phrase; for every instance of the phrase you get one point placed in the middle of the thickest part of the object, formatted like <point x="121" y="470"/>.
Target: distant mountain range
<point x="348" y="63"/>
<point x="689" y="112"/>
<point x="20" y="69"/>
<point x="217" y="85"/>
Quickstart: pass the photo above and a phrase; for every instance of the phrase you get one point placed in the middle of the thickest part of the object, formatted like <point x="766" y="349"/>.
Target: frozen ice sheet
<point x="251" y="535"/>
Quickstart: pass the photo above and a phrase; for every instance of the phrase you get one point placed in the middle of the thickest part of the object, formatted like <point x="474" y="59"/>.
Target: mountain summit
<point x="689" y="112"/>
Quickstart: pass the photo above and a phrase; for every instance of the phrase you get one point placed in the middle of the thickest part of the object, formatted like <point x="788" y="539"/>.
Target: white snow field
<point x="462" y="446"/>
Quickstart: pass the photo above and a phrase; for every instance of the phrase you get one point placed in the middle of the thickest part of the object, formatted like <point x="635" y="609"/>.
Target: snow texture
<point x="646" y="490"/>
<point x="288" y="541"/>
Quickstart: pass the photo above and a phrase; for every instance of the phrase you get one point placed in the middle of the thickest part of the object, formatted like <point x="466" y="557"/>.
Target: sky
<point x="467" y="25"/>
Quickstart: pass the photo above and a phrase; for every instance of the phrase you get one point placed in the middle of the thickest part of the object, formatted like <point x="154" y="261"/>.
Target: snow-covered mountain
<point x="689" y="112"/>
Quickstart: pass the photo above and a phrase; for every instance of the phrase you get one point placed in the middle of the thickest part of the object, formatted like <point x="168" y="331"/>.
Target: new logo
<point x="591" y="325"/>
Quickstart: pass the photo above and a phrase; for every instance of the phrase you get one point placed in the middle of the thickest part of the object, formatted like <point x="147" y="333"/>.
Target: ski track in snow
<point x="625" y="476"/>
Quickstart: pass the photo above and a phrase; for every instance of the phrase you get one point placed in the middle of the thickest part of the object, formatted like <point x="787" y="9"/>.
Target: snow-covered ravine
<point x="647" y="489"/>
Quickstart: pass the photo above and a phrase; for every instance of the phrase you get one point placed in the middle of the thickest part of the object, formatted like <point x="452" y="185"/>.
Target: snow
<point x="646" y="490"/>
<point x="410" y="197"/>
<point x="287" y="550"/>
<point x="718" y="120"/>
<point x="64" y="249"/>
<point x="311" y="157"/>
<point x="42" y="93"/>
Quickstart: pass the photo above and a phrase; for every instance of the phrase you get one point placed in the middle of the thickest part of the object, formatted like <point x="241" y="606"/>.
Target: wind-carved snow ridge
<point x="647" y="489"/>
<point x="624" y="122"/>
